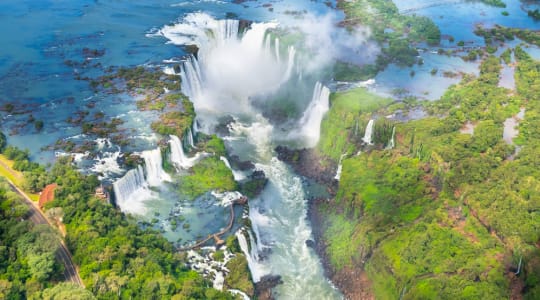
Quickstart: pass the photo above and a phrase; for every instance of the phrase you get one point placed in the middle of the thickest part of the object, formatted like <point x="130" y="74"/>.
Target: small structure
<point x="241" y="201"/>
<point x="47" y="195"/>
<point x="219" y="242"/>
<point x="102" y="193"/>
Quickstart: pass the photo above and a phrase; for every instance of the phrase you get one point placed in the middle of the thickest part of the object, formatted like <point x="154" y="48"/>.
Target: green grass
<point x="14" y="176"/>
<point x="239" y="276"/>
<point x="209" y="174"/>
<point x="340" y="121"/>
<point x="343" y="243"/>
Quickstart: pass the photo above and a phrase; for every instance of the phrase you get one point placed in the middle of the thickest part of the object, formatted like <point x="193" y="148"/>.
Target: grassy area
<point x="6" y="170"/>
<point x="238" y="277"/>
<point x="347" y="108"/>
<point x="443" y="215"/>
<point x="209" y="174"/>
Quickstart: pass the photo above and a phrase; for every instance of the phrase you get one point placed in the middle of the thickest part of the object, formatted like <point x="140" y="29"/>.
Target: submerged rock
<point x="263" y="288"/>
<point x="254" y="185"/>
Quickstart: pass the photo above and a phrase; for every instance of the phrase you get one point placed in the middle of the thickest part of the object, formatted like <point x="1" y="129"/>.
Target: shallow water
<point x="37" y="39"/>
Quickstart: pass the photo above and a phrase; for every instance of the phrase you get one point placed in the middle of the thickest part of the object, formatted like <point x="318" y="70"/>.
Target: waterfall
<point x="191" y="138"/>
<point x="392" y="142"/>
<point x="190" y="73"/>
<point x="369" y="133"/>
<point x="227" y="30"/>
<point x="226" y="53"/>
<point x="340" y="167"/>
<point x="310" y="122"/>
<point x="195" y="126"/>
<point x="276" y="47"/>
<point x="237" y="174"/>
<point x="290" y="64"/>
<point x="130" y="191"/>
<point x="254" y="266"/>
<point x="155" y="174"/>
<point x="178" y="157"/>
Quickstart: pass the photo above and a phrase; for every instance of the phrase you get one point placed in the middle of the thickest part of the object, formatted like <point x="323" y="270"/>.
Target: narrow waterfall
<point x="178" y="157"/>
<point x="155" y="174"/>
<point x="290" y="64"/>
<point x="276" y="47"/>
<point x="254" y="266"/>
<point x="195" y="126"/>
<point x="392" y="141"/>
<point x="131" y="190"/>
<point x="191" y="138"/>
<point x="340" y="167"/>
<point x="368" y="136"/>
<point x="310" y="123"/>
<point x="237" y="174"/>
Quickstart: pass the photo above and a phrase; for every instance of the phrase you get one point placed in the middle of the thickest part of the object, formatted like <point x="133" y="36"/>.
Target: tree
<point x="67" y="290"/>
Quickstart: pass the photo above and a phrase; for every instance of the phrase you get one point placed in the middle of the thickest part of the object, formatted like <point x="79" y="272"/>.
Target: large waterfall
<point x="368" y="136"/>
<point x="131" y="190"/>
<point x="228" y="64"/>
<point x="229" y="69"/>
<point x="153" y="162"/>
<point x="310" y="123"/>
<point x="178" y="157"/>
<point x="191" y="78"/>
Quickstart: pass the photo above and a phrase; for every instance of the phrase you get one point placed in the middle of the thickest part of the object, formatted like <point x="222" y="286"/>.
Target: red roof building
<point x="47" y="195"/>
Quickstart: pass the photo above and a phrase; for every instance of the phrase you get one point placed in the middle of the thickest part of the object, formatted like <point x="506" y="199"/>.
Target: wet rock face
<point x="254" y="185"/>
<point x="263" y="288"/>
<point x="237" y="164"/>
<point x="307" y="163"/>
<point x="222" y="128"/>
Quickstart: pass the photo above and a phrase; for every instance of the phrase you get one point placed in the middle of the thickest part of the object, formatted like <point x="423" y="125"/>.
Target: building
<point x="47" y="195"/>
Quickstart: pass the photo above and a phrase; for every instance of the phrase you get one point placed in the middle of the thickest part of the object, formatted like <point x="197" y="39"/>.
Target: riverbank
<point x="352" y="281"/>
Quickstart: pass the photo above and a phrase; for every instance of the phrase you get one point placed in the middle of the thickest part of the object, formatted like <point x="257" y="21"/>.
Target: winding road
<point x="36" y="216"/>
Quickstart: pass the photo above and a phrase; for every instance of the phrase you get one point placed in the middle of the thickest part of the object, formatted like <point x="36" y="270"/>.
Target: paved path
<point x="62" y="254"/>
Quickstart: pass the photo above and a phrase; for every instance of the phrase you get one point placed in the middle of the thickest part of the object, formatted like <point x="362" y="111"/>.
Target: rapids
<point x="230" y="69"/>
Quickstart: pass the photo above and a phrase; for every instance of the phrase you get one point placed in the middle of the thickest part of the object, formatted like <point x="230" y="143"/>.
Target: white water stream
<point x="228" y="71"/>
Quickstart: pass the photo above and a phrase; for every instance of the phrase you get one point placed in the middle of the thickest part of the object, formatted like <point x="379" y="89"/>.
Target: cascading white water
<point x="368" y="136"/>
<point x="340" y="167"/>
<point x="230" y="70"/>
<point x="392" y="142"/>
<point x="191" y="78"/>
<point x="107" y="164"/>
<point x="178" y="157"/>
<point x="310" y="122"/>
<point x="255" y="267"/>
<point x="228" y="64"/>
<point x="237" y="174"/>
<point x="155" y="174"/>
<point x="131" y="190"/>
<point x="191" y="138"/>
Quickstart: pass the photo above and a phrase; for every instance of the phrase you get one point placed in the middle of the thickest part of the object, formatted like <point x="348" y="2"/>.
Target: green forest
<point x="445" y="214"/>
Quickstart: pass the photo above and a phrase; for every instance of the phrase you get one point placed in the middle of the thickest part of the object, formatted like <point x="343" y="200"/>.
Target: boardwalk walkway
<point x="216" y="236"/>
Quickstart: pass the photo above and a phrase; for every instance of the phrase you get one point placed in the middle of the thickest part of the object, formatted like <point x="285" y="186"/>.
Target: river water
<point x="279" y="61"/>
